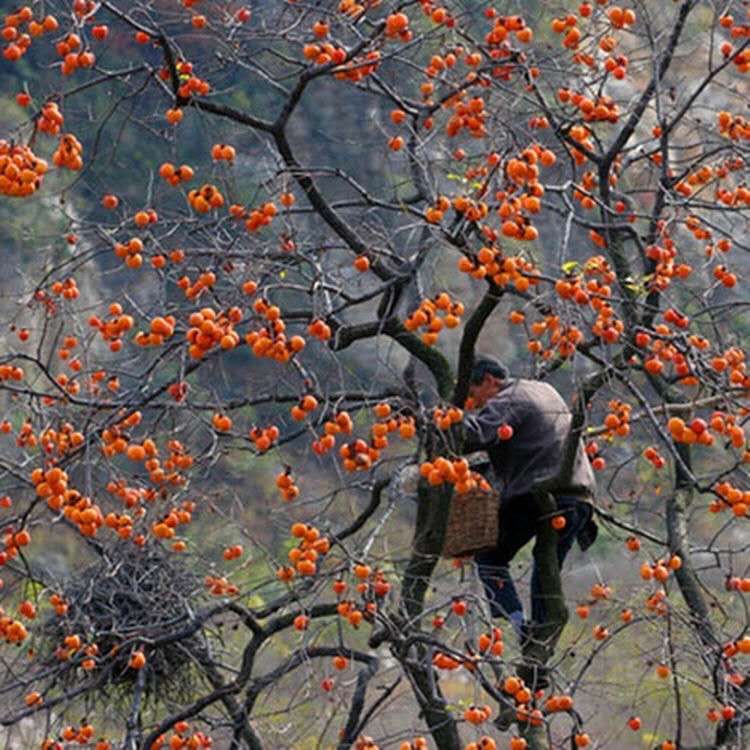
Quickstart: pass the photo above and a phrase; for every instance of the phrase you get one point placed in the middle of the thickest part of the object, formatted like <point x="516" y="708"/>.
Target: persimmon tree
<point x="236" y="361"/>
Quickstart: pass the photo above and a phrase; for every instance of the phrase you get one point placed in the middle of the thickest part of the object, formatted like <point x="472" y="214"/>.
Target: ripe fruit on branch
<point x="505" y="432"/>
<point x="306" y="405"/>
<point x="558" y="523"/>
<point x="444" y="419"/>
<point x="457" y="472"/>
<point x="221" y="422"/>
<point x="21" y="171"/>
<point x="286" y="485"/>
<point x="459" y="607"/>
<point x="205" y="198"/>
<point x="397" y="25"/>
<point x="434" y="315"/>
<point x="232" y="553"/>
<point x="620" y="18"/>
<point x="264" y="438"/>
<point x="68" y="153"/>
<point x="174" y="116"/>
<point x="137" y="660"/>
<point x="223" y="152"/>
<point x="210" y="329"/>
<point x="477" y="714"/>
<point x="175" y="175"/>
<point x="362" y="263"/>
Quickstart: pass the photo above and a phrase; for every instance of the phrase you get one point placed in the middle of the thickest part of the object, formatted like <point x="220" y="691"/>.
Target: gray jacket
<point x="540" y="419"/>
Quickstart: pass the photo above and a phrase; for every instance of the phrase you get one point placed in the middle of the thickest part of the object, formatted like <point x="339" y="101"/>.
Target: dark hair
<point x="486" y="366"/>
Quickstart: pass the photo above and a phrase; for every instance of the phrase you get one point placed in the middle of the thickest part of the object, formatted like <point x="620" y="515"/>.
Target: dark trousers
<point x="518" y="526"/>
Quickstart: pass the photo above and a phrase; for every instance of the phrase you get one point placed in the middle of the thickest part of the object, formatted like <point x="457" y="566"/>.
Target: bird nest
<point x="131" y="599"/>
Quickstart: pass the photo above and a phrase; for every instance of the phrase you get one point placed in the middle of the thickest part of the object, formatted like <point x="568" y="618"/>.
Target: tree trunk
<point x="729" y="734"/>
<point x="433" y="504"/>
<point x="544" y="636"/>
<point x="429" y="530"/>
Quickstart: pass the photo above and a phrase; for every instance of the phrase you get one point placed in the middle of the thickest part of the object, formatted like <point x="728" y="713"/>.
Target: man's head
<point x="487" y="376"/>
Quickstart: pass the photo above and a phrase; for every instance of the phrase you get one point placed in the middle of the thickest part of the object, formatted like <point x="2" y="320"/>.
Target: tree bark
<point x="429" y="531"/>
<point x="729" y="734"/>
<point x="543" y="638"/>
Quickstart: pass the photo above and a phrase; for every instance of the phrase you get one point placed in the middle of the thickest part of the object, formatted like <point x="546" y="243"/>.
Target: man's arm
<point x="480" y="429"/>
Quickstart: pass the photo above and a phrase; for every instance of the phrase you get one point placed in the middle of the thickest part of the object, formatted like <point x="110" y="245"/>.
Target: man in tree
<point x="522" y="425"/>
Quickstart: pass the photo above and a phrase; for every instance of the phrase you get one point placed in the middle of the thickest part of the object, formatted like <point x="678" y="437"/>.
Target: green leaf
<point x="255" y="601"/>
<point x="33" y="589"/>
<point x="569" y="266"/>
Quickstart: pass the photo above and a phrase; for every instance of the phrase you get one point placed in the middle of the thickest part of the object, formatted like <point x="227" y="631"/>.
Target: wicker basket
<point x="473" y="523"/>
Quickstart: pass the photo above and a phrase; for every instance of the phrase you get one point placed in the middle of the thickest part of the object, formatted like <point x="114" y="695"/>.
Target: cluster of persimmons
<point x="433" y="315"/>
<point x="21" y="171"/>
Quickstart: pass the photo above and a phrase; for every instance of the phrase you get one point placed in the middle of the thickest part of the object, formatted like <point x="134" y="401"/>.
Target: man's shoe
<point x="505" y="717"/>
<point x="533" y="669"/>
<point x="535" y="676"/>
